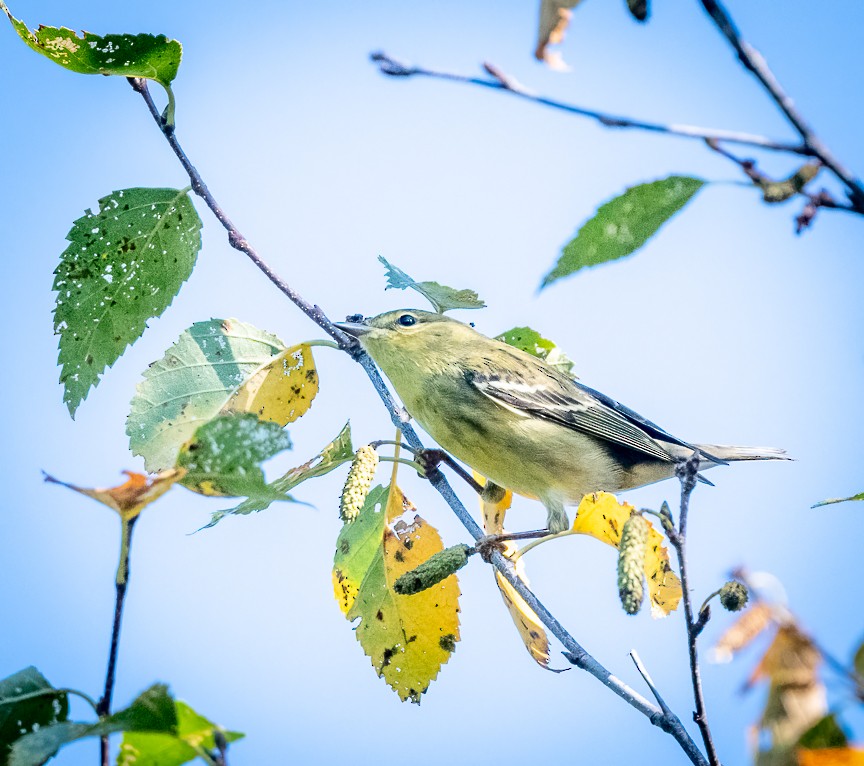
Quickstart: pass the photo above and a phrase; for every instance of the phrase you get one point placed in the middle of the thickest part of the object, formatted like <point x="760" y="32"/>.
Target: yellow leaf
<point x="600" y="515"/>
<point x="281" y="391"/>
<point x="831" y="756"/>
<point x="554" y="18"/>
<point x="408" y="638"/>
<point x="131" y="497"/>
<point x="530" y="628"/>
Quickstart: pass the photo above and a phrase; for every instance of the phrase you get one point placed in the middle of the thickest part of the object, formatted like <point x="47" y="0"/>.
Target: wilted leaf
<point x="600" y="515"/>
<point x="204" y="374"/>
<point x="859" y="496"/>
<point x="408" y="638"/>
<point x="225" y="455"/>
<point x="151" y="749"/>
<point x="152" y="56"/>
<point x="749" y="625"/>
<point x="525" y="619"/>
<point x="336" y="453"/>
<point x="26" y="715"/>
<point x="532" y="342"/>
<point x="443" y="298"/>
<point x="124" y="266"/>
<point x="624" y="224"/>
<point x="132" y="496"/>
<point x="554" y="19"/>
<point x="153" y="711"/>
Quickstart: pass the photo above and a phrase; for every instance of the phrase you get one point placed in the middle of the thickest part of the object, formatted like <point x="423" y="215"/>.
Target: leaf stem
<point x="687" y="472"/>
<point x="103" y="707"/>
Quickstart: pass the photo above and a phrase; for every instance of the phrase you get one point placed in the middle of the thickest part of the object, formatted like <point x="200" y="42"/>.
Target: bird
<point x="520" y="422"/>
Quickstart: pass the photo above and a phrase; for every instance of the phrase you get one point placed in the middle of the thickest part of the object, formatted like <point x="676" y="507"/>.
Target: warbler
<point x="517" y="420"/>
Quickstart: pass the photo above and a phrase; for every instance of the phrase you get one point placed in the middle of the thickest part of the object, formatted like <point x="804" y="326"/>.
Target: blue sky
<point x="726" y="328"/>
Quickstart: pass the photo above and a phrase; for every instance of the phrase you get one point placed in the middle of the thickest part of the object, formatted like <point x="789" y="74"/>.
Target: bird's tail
<point x="729" y="454"/>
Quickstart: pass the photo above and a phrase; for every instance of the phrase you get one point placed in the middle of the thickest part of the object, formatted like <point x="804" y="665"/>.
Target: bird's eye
<point x="406" y="320"/>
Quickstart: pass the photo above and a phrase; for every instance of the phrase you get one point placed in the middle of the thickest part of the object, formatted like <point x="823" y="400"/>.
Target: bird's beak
<point x="354" y="329"/>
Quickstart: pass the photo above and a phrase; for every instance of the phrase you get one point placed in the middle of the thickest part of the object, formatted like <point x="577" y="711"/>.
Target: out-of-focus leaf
<point x="554" y="19"/>
<point x="443" y="298"/>
<point x="826" y="732"/>
<point x="20" y="717"/>
<point x="624" y="224"/>
<point x="530" y="629"/>
<point x="154" y="749"/>
<point x="780" y="191"/>
<point x="152" y="711"/>
<point x="336" y="453"/>
<point x="639" y="9"/>
<point x="746" y="628"/>
<point x="532" y="342"/>
<point x="225" y="455"/>
<point x="833" y="756"/>
<point x="831" y="501"/>
<point x="601" y="516"/>
<point x="408" y="638"/>
<point x="124" y="266"/>
<point x="132" y="496"/>
<point x="204" y="374"/>
<point x="858" y="665"/>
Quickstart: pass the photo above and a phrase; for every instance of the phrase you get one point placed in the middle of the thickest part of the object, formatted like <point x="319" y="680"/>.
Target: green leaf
<point x="833" y="500"/>
<point x="206" y="373"/>
<point x="533" y="343"/>
<point x="825" y="733"/>
<point x="193" y="731"/>
<point x="152" y="56"/>
<point x="29" y="714"/>
<point x="225" y="455"/>
<point x="858" y="666"/>
<point x="124" y="265"/>
<point x="336" y="453"/>
<point x="624" y="224"/>
<point x="153" y="710"/>
<point x="443" y="298"/>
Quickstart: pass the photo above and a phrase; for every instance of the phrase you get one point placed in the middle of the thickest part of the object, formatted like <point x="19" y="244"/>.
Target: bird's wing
<point x="576" y="407"/>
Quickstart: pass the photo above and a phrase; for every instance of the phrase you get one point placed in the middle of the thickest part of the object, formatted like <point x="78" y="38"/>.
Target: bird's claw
<point x="429" y="460"/>
<point x="489" y="544"/>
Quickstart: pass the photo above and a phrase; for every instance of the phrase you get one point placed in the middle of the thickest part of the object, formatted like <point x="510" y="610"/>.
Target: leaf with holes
<point x="225" y="455"/>
<point x="336" y="453"/>
<point x="194" y="732"/>
<point x="624" y="224"/>
<point x="21" y="713"/>
<point x="153" y="710"/>
<point x="443" y="298"/>
<point x="152" y="56"/>
<point x="532" y="342"/>
<point x="408" y="638"/>
<point x="124" y="266"/>
<point x="205" y="373"/>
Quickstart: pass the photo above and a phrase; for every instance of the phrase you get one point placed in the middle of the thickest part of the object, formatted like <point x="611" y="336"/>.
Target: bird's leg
<point x="430" y="459"/>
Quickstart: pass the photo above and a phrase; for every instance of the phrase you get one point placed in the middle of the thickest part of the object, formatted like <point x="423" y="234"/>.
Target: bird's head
<point x="410" y="337"/>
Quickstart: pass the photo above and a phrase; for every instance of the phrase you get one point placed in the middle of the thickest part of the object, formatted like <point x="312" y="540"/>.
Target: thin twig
<point x="577" y="655"/>
<point x="756" y="63"/>
<point x="103" y="707"/>
<point x="687" y="472"/>
<point x="637" y="661"/>
<point x="502" y="82"/>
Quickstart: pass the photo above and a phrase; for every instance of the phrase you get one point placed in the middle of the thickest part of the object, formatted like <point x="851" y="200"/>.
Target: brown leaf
<point x="554" y="18"/>
<point x="749" y="625"/>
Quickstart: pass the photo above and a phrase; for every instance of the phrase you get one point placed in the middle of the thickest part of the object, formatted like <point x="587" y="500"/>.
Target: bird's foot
<point x="429" y="460"/>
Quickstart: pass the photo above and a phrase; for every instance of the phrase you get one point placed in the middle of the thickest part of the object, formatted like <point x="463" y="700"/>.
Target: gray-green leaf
<point x="124" y="265"/>
<point x="443" y="298"/>
<point x="624" y="224"/>
<point x="337" y="452"/>
<point x="533" y="343"/>
<point x="225" y="455"/>
<point x="19" y="716"/>
<point x="191" y="384"/>
<point x="833" y="500"/>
